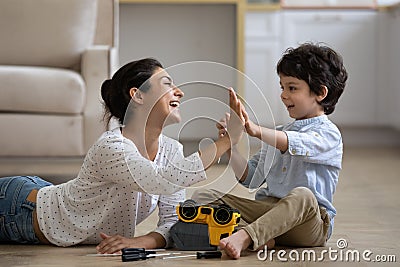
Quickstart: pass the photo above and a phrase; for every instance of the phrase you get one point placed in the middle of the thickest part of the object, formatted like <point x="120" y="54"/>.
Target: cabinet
<point x="354" y="35"/>
<point x="390" y="26"/>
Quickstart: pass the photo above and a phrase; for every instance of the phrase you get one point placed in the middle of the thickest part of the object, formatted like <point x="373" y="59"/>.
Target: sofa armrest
<point x="98" y="64"/>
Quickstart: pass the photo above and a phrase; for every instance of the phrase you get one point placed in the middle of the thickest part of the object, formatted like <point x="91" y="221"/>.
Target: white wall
<point x="179" y="33"/>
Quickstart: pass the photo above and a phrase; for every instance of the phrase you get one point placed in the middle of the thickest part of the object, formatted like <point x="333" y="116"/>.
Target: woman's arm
<point x="159" y="238"/>
<point x="234" y="130"/>
<point x="238" y="164"/>
<point x="236" y="160"/>
<point x="119" y="160"/>
<point x="114" y="244"/>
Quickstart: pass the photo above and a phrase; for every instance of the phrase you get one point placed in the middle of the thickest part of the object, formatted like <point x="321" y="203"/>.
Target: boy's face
<point x="299" y="100"/>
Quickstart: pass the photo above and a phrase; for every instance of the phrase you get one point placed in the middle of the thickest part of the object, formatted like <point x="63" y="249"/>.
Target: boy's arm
<point x="275" y="138"/>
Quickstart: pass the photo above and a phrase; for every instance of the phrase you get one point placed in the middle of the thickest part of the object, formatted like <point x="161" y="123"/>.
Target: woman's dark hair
<point x="318" y="65"/>
<point x="115" y="91"/>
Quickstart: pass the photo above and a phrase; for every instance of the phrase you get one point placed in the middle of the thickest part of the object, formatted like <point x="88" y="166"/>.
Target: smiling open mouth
<point x="174" y="104"/>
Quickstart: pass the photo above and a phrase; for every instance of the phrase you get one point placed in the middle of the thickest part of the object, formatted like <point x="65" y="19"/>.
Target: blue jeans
<point x="16" y="213"/>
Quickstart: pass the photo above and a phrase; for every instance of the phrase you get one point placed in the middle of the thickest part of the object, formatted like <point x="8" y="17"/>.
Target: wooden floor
<point x="368" y="220"/>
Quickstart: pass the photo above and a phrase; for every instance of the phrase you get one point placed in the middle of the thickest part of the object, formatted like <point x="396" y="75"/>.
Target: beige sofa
<point x="54" y="55"/>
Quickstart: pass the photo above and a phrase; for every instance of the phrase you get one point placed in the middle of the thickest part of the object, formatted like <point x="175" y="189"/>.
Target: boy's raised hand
<point x="252" y="129"/>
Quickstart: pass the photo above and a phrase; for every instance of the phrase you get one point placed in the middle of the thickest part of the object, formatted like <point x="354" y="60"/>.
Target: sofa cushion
<point x="46" y="32"/>
<point x="39" y="89"/>
<point x="37" y="135"/>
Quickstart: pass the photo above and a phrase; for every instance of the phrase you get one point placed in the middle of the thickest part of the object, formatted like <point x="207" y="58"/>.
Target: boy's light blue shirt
<point x="313" y="160"/>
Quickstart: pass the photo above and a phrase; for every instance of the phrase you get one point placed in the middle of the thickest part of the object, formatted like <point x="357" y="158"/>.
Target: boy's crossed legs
<point x="295" y="220"/>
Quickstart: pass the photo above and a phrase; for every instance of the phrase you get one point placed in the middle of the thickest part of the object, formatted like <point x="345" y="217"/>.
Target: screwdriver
<point x="136" y="257"/>
<point x="136" y="254"/>
<point x="199" y="255"/>
<point x="126" y="251"/>
<point x="142" y="256"/>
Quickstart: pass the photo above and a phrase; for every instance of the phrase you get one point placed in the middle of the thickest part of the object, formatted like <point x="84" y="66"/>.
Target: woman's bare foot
<point x="234" y="244"/>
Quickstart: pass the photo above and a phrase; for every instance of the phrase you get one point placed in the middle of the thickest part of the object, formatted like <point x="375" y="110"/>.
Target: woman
<point x="128" y="172"/>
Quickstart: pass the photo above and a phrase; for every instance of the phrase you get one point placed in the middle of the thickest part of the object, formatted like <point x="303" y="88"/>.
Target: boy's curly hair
<point x="319" y="66"/>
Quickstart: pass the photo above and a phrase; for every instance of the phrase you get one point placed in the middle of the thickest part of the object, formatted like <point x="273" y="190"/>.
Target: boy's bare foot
<point x="234" y="244"/>
<point x="270" y="243"/>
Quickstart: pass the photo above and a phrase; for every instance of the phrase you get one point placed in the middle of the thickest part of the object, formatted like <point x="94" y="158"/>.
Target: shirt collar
<point x="298" y="124"/>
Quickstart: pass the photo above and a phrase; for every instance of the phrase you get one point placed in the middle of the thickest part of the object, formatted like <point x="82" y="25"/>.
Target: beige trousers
<point x="295" y="220"/>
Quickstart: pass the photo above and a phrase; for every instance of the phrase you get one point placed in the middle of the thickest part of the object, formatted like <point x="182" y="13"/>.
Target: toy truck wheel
<point x="222" y="214"/>
<point x="188" y="210"/>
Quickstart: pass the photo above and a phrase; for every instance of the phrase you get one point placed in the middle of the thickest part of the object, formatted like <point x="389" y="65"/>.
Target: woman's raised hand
<point x="221" y="125"/>
<point x="230" y="132"/>
<point x="236" y="121"/>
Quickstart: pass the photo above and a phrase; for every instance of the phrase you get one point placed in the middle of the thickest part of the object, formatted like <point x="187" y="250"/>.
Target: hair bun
<point x="106" y="90"/>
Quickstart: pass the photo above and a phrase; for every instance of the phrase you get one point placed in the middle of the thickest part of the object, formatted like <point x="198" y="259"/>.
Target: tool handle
<point x="209" y="254"/>
<point x="132" y="250"/>
<point x="135" y="257"/>
<point x="126" y="251"/>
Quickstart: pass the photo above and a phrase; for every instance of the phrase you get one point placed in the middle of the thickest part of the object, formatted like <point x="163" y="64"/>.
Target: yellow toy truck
<point x="200" y="227"/>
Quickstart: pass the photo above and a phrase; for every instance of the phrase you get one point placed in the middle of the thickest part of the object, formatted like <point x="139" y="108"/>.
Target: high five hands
<point x="273" y="137"/>
<point x="225" y="125"/>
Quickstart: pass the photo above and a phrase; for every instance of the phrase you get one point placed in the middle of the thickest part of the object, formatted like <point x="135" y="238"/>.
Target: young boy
<point x="300" y="162"/>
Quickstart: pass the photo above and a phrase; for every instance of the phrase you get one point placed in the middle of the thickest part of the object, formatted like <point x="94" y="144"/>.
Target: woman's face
<point x="163" y="99"/>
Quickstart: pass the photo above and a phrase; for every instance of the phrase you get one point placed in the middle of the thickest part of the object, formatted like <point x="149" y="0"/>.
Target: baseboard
<point x="370" y="136"/>
<point x="55" y="170"/>
<point x="59" y="170"/>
